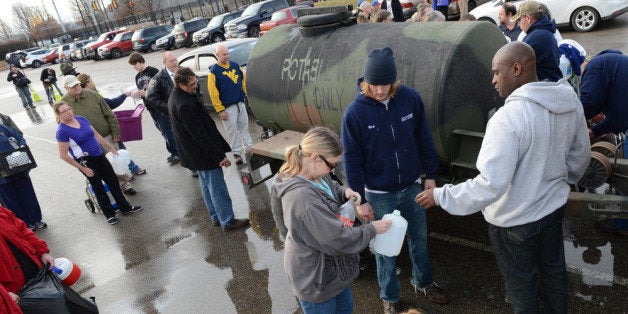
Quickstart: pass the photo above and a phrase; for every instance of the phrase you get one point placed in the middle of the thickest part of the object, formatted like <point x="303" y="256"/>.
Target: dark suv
<point x="144" y="39"/>
<point x="184" y="31"/>
<point x="247" y="25"/>
<point x="215" y="30"/>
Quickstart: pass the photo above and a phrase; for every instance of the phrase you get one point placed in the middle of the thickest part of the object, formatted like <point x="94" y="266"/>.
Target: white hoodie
<point x="534" y="146"/>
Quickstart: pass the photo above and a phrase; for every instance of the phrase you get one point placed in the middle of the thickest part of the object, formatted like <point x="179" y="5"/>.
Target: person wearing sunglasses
<point x="322" y="255"/>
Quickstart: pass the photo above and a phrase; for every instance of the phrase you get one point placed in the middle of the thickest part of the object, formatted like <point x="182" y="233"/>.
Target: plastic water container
<point x="347" y="213"/>
<point x="390" y="242"/>
<point x="565" y="66"/>
<point x="66" y="270"/>
<point x="121" y="162"/>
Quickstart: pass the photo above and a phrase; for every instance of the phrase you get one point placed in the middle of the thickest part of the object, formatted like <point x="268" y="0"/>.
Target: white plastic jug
<point x="121" y="162"/>
<point x="565" y="66"/>
<point x="390" y="242"/>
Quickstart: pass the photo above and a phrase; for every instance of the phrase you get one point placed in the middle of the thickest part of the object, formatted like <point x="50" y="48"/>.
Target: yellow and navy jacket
<point x="226" y="85"/>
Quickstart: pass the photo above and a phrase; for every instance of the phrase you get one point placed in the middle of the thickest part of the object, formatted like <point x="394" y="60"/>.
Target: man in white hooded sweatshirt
<point x="534" y="147"/>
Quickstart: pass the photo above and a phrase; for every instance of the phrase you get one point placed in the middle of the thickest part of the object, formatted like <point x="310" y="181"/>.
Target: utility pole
<point x="58" y="16"/>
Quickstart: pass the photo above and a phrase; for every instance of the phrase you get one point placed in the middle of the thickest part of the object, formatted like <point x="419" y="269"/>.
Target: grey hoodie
<point x="534" y="147"/>
<point x="321" y="256"/>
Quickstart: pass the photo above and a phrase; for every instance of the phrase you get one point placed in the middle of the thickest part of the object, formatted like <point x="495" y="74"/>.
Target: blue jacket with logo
<point x="541" y="38"/>
<point x="387" y="148"/>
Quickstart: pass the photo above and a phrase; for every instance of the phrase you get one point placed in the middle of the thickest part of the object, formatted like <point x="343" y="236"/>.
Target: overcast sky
<point x="6" y="13"/>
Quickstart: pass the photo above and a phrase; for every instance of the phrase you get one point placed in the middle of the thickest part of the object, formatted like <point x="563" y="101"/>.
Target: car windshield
<point x="277" y="16"/>
<point x="252" y="9"/>
<point x="215" y="21"/>
<point x="240" y="53"/>
<point x="102" y="37"/>
<point x="118" y="37"/>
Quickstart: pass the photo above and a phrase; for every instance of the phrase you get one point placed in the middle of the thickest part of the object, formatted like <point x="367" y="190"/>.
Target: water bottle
<point x="565" y="66"/>
<point x="390" y="242"/>
<point x="347" y="213"/>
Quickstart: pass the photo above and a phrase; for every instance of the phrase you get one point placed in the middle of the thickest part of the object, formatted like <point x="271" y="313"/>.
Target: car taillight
<point x="185" y="34"/>
<point x="407" y="5"/>
<point x="142" y="40"/>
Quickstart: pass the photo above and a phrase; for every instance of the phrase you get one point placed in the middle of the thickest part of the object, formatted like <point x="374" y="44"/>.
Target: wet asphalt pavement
<point x="168" y="258"/>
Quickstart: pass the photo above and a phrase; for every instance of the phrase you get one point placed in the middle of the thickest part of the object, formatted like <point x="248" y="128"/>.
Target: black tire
<point x="176" y="45"/>
<point x="90" y="205"/>
<point x="152" y="46"/>
<point x="317" y="30"/>
<point x="116" y="53"/>
<point x="254" y="31"/>
<point x="55" y="61"/>
<point x="320" y="19"/>
<point x="218" y="37"/>
<point x="36" y="64"/>
<point x="487" y="19"/>
<point x="585" y="19"/>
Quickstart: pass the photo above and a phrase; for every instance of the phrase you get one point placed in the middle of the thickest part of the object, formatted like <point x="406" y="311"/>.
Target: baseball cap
<point x="70" y="81"/>
<point x="527" y="8"/>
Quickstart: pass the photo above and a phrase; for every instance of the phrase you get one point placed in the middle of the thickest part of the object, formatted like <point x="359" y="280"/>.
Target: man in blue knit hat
<point x="388" y="146"/>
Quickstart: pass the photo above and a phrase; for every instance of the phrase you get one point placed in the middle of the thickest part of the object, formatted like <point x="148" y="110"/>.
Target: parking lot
<point x="170" y="259"/>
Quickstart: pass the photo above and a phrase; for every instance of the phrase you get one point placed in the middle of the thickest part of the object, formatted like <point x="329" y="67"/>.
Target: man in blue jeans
<point x="202" y="148"/>
<point x="388" y="145"/>
<point x="533" y="148"/>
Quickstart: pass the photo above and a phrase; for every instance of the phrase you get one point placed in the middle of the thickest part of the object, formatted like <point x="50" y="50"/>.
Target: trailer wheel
<point x="90" y="205"/>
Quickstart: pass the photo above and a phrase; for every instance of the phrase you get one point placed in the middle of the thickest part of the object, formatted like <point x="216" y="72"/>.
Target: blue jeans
<point x="342" y="303"/>
<point x="530" y="257"/>
<point x="416" y="235"/>
<point x="50" y="93"/>
<point x="216" y="195"/>
<point x="25" y="96"/>
<point x="162" y="122"/>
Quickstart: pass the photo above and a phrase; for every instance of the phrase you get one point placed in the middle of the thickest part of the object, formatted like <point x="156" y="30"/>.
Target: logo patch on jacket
<point x="372" y="126"/>
<point x="407" y="117"/>
<point x="232" y="75"/>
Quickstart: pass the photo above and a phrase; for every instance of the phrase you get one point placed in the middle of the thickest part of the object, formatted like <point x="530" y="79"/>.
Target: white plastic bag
<point x="121" y="162"/>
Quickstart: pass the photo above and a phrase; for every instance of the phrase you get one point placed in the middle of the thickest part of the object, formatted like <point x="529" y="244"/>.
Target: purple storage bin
<point x="130" y="123"/>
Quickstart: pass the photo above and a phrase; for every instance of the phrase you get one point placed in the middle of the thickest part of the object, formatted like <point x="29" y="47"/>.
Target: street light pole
<point x="58" y="16"/>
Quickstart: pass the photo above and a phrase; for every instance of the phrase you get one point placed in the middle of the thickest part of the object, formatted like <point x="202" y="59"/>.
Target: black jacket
<point x="397" y="10"/>
<point x="201" y="147"/>
<point x="158" y="91"/>
<point x="52" y="77"/>
<point x="20" y="80"/>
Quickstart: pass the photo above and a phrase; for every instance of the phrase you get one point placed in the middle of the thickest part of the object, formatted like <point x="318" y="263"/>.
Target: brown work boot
<point x="434" y="293"/>
<point x="389" y="308"/>
<point x="236" y="224"/>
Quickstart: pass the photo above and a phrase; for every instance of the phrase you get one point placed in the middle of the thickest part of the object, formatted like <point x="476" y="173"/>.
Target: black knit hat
<point x="380" y="67"/>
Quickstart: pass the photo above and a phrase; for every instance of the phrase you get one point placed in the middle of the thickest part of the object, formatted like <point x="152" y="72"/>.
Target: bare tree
<point x="5" y="29"/>
<point x="23" y="17"/>
<point x="139" y="7"/>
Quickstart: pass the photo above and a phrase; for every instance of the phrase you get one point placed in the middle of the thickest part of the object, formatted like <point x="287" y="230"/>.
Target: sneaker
<point x="139" y="172"/>
<point x="173" y="159"/>
<point x="112" y="220"/>
<point x="238" y="159"/>
<point x="129" y="191"/>
<point x="133" y="209"/>
<point x="434" y="293"/>
<point x="32" y="106"/>
<point x="389" y="308"/>
<point x="39" y="225"/>
<point x="214" y="222"/>
<point x="237" y="224"/>
<point x="194" y="173"/>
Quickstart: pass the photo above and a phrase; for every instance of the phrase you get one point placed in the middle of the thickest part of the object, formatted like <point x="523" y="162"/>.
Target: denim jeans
<point x="216" y="195"/>
<point x="162" y="122"/>
<point x="416" y="235"/>
<point x="25" y="96"/>
<point x="342" y="303"/>
<point x="50" y="93"/>
<point x="532" y="256"/>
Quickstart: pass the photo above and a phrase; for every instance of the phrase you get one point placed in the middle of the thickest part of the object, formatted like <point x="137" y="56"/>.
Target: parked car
<point x="35" y="58"/>
<point x="284" y="16"/>
<point x="582" y="15"/>
<point x="65" y="48"/>
<point x="167" y="42"/>
<point x="184" y="31"/>
<point x="52" y="56"/>
<point x="90" y="50"/>
<point x="201" y="59"/>
<point x="145" y="39"/>
<point x="247" y="25"/>
<point x="215" y="30"/>
<point x="121" y="44"/>
<point x="16" y="57"/>
<point x="76" y="49"/>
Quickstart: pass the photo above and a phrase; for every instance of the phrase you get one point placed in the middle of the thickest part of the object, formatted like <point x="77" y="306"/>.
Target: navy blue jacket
<point x="114" y="103"/>
<point x="387" y="149"/>
<point x="540" y="37"/>
<point x="5" y="146"/>
<point x="603" y="89"/>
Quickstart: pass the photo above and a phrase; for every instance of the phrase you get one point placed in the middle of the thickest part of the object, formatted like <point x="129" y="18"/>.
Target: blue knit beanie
<point x="380" y="67"/>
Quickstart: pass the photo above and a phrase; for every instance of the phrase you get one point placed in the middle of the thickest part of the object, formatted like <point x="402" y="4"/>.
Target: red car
<point x="52" y="57"/>
<point x="120" y="44"/>
<point x="283" y="16"/>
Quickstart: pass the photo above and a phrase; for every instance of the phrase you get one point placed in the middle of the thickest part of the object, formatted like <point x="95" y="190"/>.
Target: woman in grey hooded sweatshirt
<point x="321" y="254"/>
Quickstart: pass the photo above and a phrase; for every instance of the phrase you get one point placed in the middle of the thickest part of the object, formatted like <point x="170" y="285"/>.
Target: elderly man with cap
<point x="90" y="105"/>
<point x="20" y="81"/>
<point x="540" y="36"/>
<point x="534" y="147"/>
<point x="388" y="146"/>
